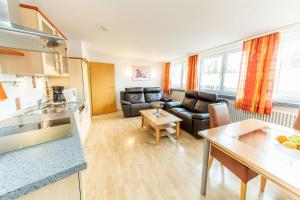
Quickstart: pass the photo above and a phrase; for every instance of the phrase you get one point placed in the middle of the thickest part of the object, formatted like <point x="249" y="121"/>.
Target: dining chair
<point x="219" y="116"/>
<point x="297" y="122"/>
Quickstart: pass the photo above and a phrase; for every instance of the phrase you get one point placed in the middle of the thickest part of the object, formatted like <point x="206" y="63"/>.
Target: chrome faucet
<point x="41" y="102"/>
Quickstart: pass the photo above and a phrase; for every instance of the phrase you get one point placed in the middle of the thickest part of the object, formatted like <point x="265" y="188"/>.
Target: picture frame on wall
<point x="141" y="73"/>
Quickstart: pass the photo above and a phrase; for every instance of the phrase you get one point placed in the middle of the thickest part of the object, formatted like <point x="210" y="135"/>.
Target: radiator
<point x="280" y="117"/>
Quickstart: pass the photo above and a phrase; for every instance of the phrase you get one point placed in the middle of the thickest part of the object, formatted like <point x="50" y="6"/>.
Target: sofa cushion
<point x="135" y="98"/>
<point x="186" y="114"/>
<point x="134" y="95"/>
<point x="152" y="94"/>
<point x="152" y="104"/>
<point x="189" y="103"/>
<point x="140" y="106"/>
<point x="191" y="94"/>
<point x="208" y="97"/>
<point x="201" y="106"/>
<point x="175" y="111"/>
<point x="151" y="97"/>
<point x="134" y="90"/>
<point x="200" y="116"/>
<point x="152" y="89"/>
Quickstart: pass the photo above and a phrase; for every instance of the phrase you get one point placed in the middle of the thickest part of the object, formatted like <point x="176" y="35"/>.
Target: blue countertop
<point x="29" y="169"/>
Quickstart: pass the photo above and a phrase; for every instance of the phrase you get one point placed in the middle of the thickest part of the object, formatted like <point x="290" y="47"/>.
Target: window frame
<point x="276" y="96"/>
<point x="224" y="51"/>
<point x="201" y="70"/>
<point x="224" y="54"/>
<point x="184" y="64"/>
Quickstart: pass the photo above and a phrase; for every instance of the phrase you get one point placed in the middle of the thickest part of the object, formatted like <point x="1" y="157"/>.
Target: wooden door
<point x="102" y="87"/>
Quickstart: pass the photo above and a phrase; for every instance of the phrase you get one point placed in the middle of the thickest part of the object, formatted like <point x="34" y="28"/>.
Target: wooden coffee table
<point x="163" y="124"/>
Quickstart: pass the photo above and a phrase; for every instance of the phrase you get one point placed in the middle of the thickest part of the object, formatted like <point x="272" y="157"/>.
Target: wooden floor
<point x="125" y="163"/>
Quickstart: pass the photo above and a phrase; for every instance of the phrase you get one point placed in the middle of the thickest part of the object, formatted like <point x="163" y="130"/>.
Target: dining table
<point x="254" y="143"/>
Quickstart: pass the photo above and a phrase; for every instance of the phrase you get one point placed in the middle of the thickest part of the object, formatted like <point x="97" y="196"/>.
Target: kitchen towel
<point x="3" y="95"/>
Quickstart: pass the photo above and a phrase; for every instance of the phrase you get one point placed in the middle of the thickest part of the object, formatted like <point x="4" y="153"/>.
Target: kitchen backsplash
<point x="22" y="92"/>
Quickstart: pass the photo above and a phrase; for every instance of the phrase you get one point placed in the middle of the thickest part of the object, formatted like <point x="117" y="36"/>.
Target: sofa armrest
<point x="173" y="104"/>
<point x="200" y="116"/>
<point x="125" y="102"/>
<point x="126" y="108"/>
<point x="221" y="100"/>
<point x="166" y="99"/>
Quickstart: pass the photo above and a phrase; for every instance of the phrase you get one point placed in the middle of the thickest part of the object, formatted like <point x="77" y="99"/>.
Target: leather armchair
<point x="193" y="110"/>
<point x="132" y="101"/>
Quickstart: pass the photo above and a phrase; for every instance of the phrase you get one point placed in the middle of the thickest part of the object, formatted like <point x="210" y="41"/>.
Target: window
<point x="288" y="70"/>
<point x="231" y="72"/>
<point x="179" y="75"/>
<point x="211" y="73"/>
<point x="220" y="72"/>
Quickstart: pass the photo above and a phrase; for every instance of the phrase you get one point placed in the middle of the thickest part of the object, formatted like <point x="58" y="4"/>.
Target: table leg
<point x="263" y="181"/>
<point x="205" y="167"/>
<point x="142" y="121"/>
<point x="157" y="135"/>
<point x="177" y="130"/>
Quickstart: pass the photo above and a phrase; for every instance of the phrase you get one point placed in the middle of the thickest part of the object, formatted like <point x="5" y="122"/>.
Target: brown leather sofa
<point x="138" y="98"/>
<point x="193" y="110"/>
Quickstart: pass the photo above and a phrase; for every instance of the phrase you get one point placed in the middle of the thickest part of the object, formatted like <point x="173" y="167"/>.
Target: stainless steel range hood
<point x="14" y="35"/>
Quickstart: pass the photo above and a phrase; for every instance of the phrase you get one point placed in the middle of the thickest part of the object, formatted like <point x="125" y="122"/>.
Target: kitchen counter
<point x="29" y="169"/>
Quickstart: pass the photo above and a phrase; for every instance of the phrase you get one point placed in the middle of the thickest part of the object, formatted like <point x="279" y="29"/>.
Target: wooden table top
<point x="164" y="118"/>
<point x="253" y="143"/>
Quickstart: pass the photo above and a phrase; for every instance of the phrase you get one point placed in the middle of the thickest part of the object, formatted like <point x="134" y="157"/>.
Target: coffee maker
<point x="58" y="94"/>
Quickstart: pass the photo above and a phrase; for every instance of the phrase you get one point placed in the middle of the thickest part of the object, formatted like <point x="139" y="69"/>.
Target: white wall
<point x="24" y="90"/>
<point x="123" y="72"/>
<point x="74" y="48"/>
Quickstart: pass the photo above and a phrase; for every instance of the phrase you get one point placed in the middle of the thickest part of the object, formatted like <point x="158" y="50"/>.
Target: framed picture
<point x="140" y="73"/>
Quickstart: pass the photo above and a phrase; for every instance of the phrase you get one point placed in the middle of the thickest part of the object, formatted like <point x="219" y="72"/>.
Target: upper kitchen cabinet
<point x="36" y="63"/>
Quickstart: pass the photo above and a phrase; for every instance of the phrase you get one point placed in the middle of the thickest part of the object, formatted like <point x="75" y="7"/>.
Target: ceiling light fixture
<point x="105" y="28"/>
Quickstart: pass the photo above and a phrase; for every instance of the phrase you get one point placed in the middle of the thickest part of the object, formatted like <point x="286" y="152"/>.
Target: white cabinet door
<point x="51" y="63"/>
<point x="65" y="189"/>
<point x="62" y="61"/>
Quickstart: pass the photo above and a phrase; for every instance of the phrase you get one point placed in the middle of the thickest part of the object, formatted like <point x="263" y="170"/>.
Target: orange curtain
<point x="166" y="83"/>
<point x="192" y="78"/>
<point x="257" y="73"/>
<point x="3" y="95"/>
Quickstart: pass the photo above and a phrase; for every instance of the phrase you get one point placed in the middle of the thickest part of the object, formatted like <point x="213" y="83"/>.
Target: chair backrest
<point x="218" y="114"/>
<point x="152" y="94"/>
<point x="134" y="95"/>
<point x="297" y="122"/>
<point x="190" y="100"/>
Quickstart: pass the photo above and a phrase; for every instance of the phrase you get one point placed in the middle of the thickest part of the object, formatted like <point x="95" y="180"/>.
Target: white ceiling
<point x="165" y="29"/>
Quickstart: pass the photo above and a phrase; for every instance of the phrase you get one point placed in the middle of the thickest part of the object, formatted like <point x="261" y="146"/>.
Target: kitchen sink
<point x="29" y="130"/>
<point x="51" y="108"/>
